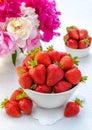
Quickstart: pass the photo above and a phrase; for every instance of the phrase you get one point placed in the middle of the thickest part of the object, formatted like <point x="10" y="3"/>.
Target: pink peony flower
<point x="7" y="44"/>
<point x="32" y="43"/>
<point x="48" y="17"/>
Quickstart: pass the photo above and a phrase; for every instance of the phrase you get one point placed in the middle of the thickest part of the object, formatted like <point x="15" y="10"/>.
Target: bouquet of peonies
<point x="23" y="23"/>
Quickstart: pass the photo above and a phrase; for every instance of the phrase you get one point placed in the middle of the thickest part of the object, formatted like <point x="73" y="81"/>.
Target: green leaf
<point x="21" y="50"/>
<point x="84" y="78"/>
<point x="14" y="57"/>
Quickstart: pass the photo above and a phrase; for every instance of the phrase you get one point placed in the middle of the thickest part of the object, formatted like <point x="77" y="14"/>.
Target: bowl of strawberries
<point x="77" y="41"/>
<point x="49" y="77"/>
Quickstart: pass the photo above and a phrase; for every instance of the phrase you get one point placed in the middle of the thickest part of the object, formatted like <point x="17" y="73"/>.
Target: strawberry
<point x="73" y="32"/>
<point x="26" y="105"/>
<point x="56" y="55"/>
<point x="42" y="57"/>
<point x="62" y="86"/>
<point x="11" y="108"/>
<point x="83" y="43"/>
<point x="20" y="70"/>
<point x="38" y="73"/>
<point x="90" y="39"/>
<point x="54" y="74"/>
<point x="72" y="108"/>
<point x="26" y="61"/>
<point x="73" y="76"/>
<point x="67" y="62"/>
<point x="66" y="38"/>
<point x="15" y="94"/>
<point x="83" y="33"/>
<point x="42" y="89"/>
<point x="25" y="80"/>
<point x="72" y="43"/>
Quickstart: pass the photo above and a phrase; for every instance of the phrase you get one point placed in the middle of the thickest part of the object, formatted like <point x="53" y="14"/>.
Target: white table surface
<point x="77" y="13"/>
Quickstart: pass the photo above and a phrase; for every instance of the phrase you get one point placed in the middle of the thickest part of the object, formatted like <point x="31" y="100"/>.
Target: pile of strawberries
<point x="77" y="38"/>
<point x="49" y="71"/>
<point x="18" y="104"/>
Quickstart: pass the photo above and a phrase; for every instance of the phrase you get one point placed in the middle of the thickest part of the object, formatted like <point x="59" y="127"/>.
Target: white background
<point x="77" y="13"/>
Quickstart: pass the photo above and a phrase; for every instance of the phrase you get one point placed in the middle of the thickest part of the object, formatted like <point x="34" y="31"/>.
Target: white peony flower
<point x="30" y="14"/>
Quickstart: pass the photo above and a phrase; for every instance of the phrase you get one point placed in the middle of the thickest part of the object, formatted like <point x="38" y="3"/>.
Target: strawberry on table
<point x="72" y="108"/>
<point x="54" y="74"/>
<point x="26" y="105"/>
<point x="73" y="76"/>
<point x="11" y="108"/>
<point x="15" y="94"/>
<point x="73" y="32"/>
<point x="62" y="86"/>
<point x="72" y="43"/>
<point x="25" y="80"/>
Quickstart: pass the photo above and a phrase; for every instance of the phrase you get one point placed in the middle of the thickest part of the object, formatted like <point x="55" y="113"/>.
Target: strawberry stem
<point x="3" y="103"/>
<point x="58" y="63"/>
<point x="32" y="52"/>
<point x="76" y="61"/>
<point x="32" y="63"/>
<point x="23" y="95"/>
<point x="69" y="27"/>
<point x="33" y="86"/>
<point x="78" y="101"/>
<point x="50" y="48"/>
<point x="84" y="78"/>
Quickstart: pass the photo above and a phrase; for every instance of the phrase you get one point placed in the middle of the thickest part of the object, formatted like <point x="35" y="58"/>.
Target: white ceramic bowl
<point x="78" y="52"/>
<point x="50" y="100"/>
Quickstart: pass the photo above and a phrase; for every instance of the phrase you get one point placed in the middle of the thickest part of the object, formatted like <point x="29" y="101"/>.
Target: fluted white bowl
<point x="78" y="52"/>
<point x="52" y="100"/>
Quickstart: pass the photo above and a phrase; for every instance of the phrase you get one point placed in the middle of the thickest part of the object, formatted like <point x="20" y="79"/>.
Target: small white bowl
<point x="78" y="52"/>
<point x="50" y="100"/>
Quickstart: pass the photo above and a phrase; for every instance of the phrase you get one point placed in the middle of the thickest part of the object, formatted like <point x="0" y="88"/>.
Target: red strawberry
<point x="11" y="108"/>
<point x="73" y="76"/>
<point x="83" y="33"/>
<point x="56" y="55"/>
<point x="26" y="61"/>
<point x="25" y="80"/>
<point x="42" y="57"/>
<point x="20" y="70"/>
<point x="26" y="105"/>
<point x="67" y="62"/>
<point x="42" y="89"/>
<point x="15" y="94"/>
<point x="72" y="108"/>
<point x="38" y="73"/>
<point x="72" y="43"/>
<point x="62" y="86"/>
<point x="73" y="32"/>
<point x="83" y="43"/>
<point x="54" y="74"/>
